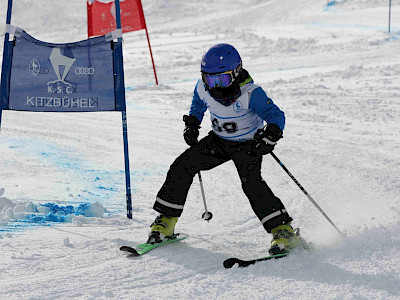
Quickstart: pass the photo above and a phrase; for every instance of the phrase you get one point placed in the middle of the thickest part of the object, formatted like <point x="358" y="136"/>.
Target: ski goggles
<point x="218" y="80"/>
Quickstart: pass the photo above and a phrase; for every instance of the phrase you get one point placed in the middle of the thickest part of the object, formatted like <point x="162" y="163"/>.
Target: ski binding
<point x="145" y="247"/>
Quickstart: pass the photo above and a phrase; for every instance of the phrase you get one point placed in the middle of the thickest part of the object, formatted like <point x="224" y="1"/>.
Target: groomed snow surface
<point x="334" y="70"/>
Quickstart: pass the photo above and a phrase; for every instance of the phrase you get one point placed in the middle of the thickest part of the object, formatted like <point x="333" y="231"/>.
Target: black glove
<point x="266" y="138"/>
<point x="191" y="131"/>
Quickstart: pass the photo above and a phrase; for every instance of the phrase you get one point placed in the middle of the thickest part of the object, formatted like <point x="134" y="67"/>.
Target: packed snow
<point x="331" y="66"/>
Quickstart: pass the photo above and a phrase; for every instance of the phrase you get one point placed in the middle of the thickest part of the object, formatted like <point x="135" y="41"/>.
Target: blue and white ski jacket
<point x="240" y="120"/>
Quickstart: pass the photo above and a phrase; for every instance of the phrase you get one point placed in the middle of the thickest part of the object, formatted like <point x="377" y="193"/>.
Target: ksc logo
<point x="62" y="64"/>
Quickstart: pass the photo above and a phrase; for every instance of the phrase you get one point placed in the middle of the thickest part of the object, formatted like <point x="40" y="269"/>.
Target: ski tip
<point x="230" y="262"/>
<point x="130" y="250"/>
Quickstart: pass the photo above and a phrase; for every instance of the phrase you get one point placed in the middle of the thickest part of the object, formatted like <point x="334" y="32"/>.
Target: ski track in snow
<point x="335" y="72"/>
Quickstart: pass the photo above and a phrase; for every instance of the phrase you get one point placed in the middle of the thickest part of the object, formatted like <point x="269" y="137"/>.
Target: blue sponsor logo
<point x="34" y="67"/>
<point x="238" y="106"/>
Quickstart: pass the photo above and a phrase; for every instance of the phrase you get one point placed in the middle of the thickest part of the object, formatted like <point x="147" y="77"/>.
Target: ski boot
<point x="284" y="239"/>
<point x="303" y="244"/>
<point x="162" y="229"/>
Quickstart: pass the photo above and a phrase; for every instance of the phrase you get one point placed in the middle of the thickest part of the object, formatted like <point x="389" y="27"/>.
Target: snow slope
<point x="334" y="70"/>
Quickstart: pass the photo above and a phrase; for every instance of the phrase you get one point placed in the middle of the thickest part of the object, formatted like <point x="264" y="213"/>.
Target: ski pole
<point x="207" y="215"/>
<point x="305" y="192"/>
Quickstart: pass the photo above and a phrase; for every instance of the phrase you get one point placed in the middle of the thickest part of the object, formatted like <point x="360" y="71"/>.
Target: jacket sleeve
<point x="265" y="108"/>
<point x="198" y="106"/>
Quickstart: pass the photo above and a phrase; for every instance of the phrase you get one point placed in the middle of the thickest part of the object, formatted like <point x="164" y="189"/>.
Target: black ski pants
<point x="208" y="153"/>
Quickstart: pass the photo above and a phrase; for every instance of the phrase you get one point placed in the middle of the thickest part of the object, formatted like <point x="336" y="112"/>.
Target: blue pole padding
<point x="6" y="37"/>
<point x="124" y="123"/>
<point x="127" y="171"/>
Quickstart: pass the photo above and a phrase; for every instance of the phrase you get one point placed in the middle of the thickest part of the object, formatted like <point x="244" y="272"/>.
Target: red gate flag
<point x="102" y="19"/>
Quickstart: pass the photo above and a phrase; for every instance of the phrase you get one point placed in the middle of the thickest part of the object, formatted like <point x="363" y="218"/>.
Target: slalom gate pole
<point x="390" y="12"/>
<point x="151" y="55"/>
<point x="140" y="6"/>
<point x="305" y="192"/>
<point x="125" y="130"/>
<point x="127" y="170"/>
<point x="207" y="215"/>
<point x="6" y="36"/>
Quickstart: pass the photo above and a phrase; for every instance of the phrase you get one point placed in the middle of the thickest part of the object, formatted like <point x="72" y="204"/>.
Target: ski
<point x="230" y="262"/>
<point x="303" y="245"/>
<point x="144" y="248"/>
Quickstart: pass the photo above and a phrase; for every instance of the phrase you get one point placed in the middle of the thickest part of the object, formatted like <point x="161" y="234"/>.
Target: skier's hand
<point x="191" y="131"/>
<point x="265" y="139"/>
<point x="264" y="148"/>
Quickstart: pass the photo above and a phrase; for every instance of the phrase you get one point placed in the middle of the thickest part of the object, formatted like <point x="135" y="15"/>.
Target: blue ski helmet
<point x="220" y="58"/>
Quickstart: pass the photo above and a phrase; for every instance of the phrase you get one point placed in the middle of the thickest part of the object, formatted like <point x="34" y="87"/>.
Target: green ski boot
<point x="161" y="229"/>
<point x="284" y="239"/>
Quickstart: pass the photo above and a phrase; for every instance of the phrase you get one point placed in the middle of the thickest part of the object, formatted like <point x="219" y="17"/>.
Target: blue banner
<point x="72" y="77"/>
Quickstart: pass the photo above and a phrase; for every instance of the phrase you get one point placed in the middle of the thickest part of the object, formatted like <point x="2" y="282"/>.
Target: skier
<point x="238" y="110"/>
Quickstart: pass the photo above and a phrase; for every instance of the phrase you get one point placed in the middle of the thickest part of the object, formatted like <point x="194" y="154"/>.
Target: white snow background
<point x="334" y="70"/>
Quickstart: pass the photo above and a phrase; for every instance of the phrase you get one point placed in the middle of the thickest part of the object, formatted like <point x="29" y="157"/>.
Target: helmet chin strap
<point x="226" y="96"/>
